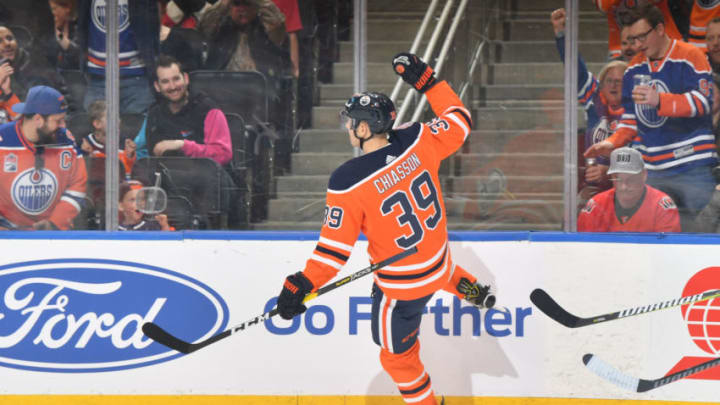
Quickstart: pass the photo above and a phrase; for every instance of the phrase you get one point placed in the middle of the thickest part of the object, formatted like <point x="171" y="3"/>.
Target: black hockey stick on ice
<point x="545" y="303"/>
<point x="161" y="336"/>
<point x="615" y="376"/>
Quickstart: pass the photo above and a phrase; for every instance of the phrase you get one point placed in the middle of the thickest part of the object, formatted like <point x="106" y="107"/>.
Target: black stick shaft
<point x="158" y="334"/>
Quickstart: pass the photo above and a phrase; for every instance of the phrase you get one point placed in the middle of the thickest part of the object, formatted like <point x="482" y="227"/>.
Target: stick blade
<point x="610" y="373"/>
<point x="547" y="304"/>
<point x="159" y="335"/>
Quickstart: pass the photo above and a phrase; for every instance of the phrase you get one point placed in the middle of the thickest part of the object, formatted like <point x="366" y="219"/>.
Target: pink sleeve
<point x="218" y="145"/>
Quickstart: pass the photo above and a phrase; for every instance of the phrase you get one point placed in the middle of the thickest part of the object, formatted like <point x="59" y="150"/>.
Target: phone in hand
<point x="4" y="61"/>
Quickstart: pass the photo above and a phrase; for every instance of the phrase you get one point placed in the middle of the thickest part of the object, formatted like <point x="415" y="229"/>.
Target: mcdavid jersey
<point x="677" y="136"/>
<point x="55" y="192"/>
<point x="657" y="213"/>
<point x="393" y="196"/>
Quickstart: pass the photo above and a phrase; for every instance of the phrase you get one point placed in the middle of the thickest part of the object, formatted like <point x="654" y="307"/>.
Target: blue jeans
<point x="691" y="190"/>
<point x="135" y="93"/>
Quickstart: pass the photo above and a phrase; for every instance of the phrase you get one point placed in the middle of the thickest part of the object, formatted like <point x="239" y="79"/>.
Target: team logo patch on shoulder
<point x="10" y="163"/>
<point x="590" y="206"/>
<point x="667" y="203"/>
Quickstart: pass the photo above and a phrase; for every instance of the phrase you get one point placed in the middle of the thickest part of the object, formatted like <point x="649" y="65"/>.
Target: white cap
<point x="626" y="160"/>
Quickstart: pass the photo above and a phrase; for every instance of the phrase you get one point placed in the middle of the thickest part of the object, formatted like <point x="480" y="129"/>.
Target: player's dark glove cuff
<point x="476" y="293"/>
<point x="289" y="302"/>
<point x="414" y="71"/>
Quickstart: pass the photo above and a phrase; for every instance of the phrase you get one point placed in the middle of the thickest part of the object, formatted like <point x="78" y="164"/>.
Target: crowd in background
<point x="61" y="44"/>
<point x="168" y="109"/>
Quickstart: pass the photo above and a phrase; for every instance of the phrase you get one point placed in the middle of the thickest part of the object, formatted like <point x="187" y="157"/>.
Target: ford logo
<point x="86" y="315"/>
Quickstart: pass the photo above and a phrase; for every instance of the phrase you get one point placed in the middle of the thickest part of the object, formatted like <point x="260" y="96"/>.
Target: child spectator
<point x="131" y="219"/>
<point x="94" y="143"/>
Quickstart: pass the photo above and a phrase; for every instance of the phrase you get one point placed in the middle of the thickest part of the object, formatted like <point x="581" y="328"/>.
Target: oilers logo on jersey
<point x="707" y="4"/>
<point x="99" y="14"/>
<point x="33" y="191"/>
<point x="647" y="114"/>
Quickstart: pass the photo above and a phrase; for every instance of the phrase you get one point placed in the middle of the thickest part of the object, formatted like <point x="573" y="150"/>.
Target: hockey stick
<point x="546" y="304"/>
<point x="161" y="336"/>
<point x="610" y="373"/>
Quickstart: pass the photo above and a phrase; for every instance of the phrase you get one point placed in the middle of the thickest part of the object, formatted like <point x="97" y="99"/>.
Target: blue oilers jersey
<point x="677" y="135"/>
<point x="130" y="62"/>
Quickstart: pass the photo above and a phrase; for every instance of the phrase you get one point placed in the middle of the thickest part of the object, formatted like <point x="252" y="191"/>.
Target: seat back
<point x="201" y="180"/>
<point x="76" y="84"/>
<point x="243" y="93"/>
<point x="130" y="124"/>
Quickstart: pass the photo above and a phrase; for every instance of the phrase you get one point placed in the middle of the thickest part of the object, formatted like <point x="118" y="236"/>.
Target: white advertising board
<point x="74" y="306"/>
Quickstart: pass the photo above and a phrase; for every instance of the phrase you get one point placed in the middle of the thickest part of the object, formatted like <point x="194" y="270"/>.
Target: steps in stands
<point x="509" y="173"/>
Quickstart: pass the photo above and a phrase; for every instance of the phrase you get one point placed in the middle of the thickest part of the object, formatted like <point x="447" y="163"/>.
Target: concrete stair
<point x="509" y="173"/>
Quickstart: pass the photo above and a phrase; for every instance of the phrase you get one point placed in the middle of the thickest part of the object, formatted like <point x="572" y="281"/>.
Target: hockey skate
<point x="476" y="293"/>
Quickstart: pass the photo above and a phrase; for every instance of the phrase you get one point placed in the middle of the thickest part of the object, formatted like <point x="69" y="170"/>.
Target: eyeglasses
<point x="611" y="82"/>
<point x="640" y="38"/>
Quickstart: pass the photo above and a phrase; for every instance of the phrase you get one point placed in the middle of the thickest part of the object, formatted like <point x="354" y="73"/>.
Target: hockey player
<point x="670" y="120"/>
<point x="392" y="195"/>
<point x="43" y="178"/>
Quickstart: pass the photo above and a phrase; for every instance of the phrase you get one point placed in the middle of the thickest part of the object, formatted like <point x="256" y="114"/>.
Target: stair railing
<point x="439" y="27"/>
<point x="443" y="54"/>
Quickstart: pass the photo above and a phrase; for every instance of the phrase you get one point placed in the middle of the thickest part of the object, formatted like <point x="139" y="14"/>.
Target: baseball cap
<point x="626" y="160"/>
<point x="42" y="100"/>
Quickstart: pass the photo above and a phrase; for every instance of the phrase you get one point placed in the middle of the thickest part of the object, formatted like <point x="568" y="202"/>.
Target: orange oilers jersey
<point x="703" y="11"/>
<point x="393" y="196"/>
<point x="55" y="192"/>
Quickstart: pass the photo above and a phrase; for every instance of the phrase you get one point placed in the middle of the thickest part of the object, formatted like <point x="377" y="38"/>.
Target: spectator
<point x="602" y="100"/>
<point x="139" y="43"/>
<point x="702" y="14"/>
<point x="669" y="120"/>
<point x="8" y="98"/>
<point x="43" y="177"/>
<point x="631" y="205"/>
<point x="713" y="44"/>
<point x="627" y="48"/>
<point x="617" y="12"/>
<point x="181" y="13"/>
<point x="245" y="35"/>
<point x="20" y="70"/>
<point x="63" y="52"/>
<point x="293" y="24"/>
<point x="182" y="123"/>
<point x="179" y="36"/>
<point x="250" y="35"/>
<point x="94" y="143"/>
<point x="131" y="219"/>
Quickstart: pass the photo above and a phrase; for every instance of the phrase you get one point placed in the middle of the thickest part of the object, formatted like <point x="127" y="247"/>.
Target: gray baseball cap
<point x="626" y="160"/>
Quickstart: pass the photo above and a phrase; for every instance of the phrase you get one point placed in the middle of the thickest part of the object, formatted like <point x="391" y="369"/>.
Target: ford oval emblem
<point x="86" y="315"/>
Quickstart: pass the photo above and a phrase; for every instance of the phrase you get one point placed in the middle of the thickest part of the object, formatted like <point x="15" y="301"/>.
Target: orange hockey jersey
<point x="703" y="11"/>
<point x="27" y="195"/>
<point x="393" y="196"/>
<point x="615" y="11"/>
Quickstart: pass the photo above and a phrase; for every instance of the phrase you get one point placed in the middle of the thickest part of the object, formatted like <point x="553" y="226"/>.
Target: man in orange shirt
<point x="631" y="205"/>
<point x="392" y="194"/>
